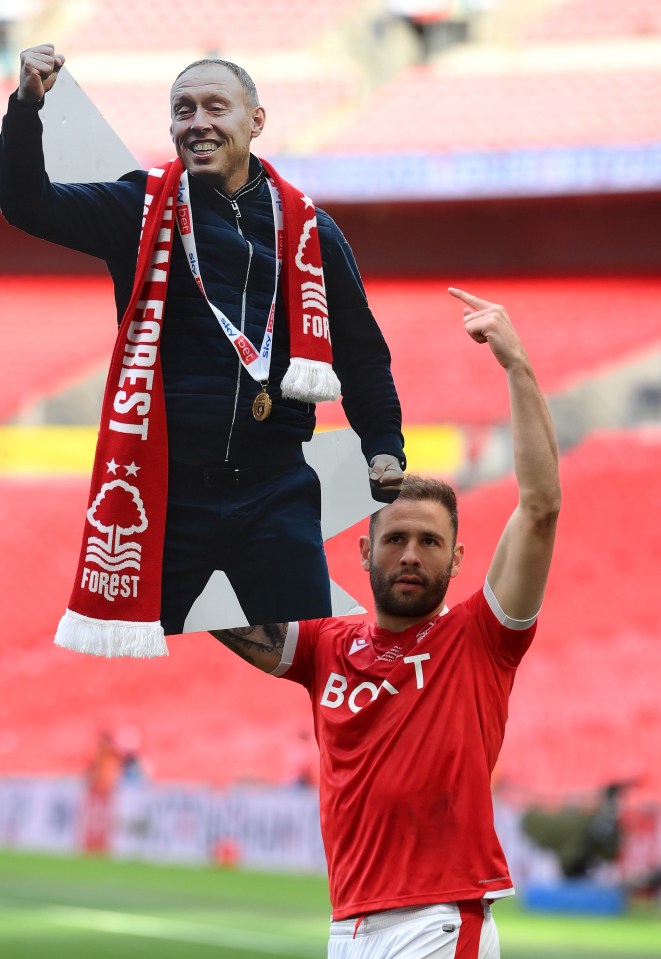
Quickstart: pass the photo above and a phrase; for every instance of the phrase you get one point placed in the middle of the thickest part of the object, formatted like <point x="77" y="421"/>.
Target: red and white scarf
<point x="115" y="604"/>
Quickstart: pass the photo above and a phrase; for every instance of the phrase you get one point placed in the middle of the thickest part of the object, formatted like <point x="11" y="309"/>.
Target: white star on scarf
<point x="307" y="201"/>
<point x="131" y="469"/>
<point x="112" y="466"/>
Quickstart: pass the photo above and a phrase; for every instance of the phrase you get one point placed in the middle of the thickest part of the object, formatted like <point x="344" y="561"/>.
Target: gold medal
<point x="262" y="406"/>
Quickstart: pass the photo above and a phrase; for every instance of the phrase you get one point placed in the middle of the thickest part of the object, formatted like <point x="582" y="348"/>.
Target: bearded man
<point x="410" y="711"/>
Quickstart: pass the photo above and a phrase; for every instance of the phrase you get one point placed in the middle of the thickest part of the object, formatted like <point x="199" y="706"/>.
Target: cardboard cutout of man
<point x="240" y="496"/>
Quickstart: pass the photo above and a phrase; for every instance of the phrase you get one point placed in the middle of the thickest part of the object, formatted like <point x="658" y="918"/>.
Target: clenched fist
<point x="39" y="69"/>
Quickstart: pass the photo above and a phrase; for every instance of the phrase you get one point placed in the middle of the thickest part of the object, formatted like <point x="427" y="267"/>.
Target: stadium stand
<point x="573" y="327"/>
<point x="53" y="702"/>
<point x="579" y="20"/>
<point x="419" y="108"/>
<point x="423" y="109"/>
<point x="55" y="330"/>
<point x="216" y="27"/>
<point x="588" y="689"/>
<point x="586" y="707"/>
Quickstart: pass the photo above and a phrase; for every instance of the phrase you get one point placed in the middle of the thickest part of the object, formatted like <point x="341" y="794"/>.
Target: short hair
<point x="424" y="488"/>
<point x="246" y="81"/>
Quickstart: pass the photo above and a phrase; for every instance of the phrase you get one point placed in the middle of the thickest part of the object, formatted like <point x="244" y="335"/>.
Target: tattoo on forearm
<point x="250" y="641"/>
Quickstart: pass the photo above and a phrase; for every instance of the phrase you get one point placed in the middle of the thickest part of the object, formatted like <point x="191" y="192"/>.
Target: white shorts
<point x="445" y="931"/>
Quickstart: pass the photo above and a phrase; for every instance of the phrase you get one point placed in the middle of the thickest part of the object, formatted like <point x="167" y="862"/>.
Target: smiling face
<point x="411" y="559"/>
<point x="213" y="125"/>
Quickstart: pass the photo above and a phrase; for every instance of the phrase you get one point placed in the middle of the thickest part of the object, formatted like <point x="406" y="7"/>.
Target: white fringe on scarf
<point x="110" y="637"/>
<point x="310" y="381"/>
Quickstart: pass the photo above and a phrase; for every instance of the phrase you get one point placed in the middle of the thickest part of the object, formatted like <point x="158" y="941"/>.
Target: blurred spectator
<point x="105" y="765"/>
<point x="436" y="24"/>
<point x="129" y="742"/>
<point x="581" y="838"/>
<point x="302" y="760"/>
<point x="102" y="775"/>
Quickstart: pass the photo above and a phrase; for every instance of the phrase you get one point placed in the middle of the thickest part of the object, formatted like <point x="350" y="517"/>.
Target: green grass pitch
<point x="54" y="908"/>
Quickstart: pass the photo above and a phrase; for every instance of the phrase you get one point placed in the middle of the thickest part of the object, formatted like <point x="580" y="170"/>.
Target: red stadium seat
<point x="423" y="110"/>
<point x="575" y="20"/>
<point x="585" y="708"/>
<point x="572" y="327"/>
<point x="216" y="25"/>
<point x="55" y="331"/>
<point x="72" y="328"/>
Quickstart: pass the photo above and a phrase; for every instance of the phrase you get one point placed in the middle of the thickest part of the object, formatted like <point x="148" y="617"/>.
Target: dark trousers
<point x="261" y="526"/>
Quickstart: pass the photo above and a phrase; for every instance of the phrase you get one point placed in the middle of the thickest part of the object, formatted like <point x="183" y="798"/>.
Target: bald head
<point x="246" y="81"/>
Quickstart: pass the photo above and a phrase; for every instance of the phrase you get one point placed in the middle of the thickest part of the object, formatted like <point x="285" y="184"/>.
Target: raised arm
<point x="101" y="219"/>
<point x="520" y="566"/>
<point x="261" y="646"/>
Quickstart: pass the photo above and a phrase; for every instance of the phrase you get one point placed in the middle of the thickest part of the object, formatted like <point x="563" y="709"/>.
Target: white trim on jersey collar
<point x="291" y="642"/>
<point x="501" y="616"/>
<point x="288" y="650"/>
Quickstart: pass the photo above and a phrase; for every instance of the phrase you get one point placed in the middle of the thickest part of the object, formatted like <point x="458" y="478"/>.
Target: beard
<point x="425" y="601"/>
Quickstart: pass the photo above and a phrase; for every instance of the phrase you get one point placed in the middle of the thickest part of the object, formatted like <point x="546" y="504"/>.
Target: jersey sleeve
<point x="506" y="640"/>
<point x="298" y="654"/>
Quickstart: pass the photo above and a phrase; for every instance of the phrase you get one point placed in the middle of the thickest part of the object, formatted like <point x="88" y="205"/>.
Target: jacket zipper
<point x="244" y="296"/>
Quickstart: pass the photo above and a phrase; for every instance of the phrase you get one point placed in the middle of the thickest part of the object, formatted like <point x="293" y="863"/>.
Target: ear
<point x="171" y="133"/>
<point x="457" y="559"/>
<point x="258" y="121"/>
<point x="364" y="543"/>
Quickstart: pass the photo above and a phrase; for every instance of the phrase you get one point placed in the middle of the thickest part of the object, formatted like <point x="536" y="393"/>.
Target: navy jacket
<point x="208" y="394"/>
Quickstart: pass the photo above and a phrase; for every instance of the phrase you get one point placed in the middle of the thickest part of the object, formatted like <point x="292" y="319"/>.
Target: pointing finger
<point x="473" y="301"/>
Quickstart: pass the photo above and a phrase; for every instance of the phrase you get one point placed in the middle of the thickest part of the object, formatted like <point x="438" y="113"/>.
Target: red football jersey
<point x="409" y="727"/>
